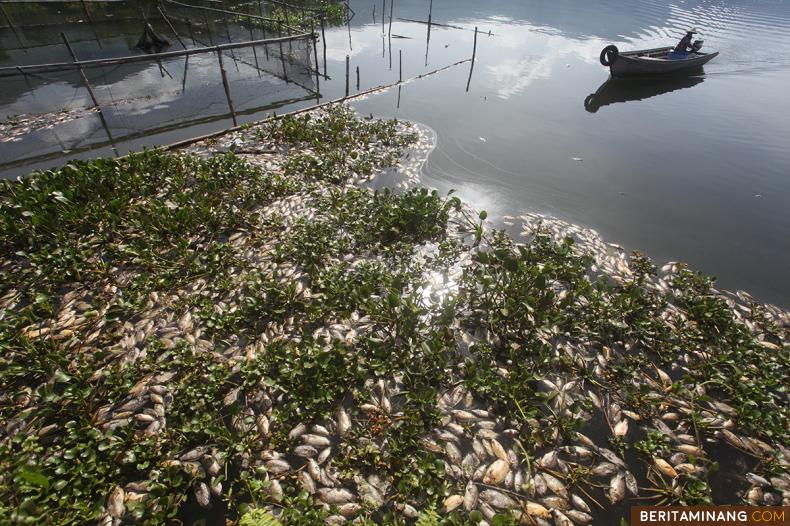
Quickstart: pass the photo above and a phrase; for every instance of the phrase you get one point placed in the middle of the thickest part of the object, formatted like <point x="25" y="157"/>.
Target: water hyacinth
<point x="264" y="333"/>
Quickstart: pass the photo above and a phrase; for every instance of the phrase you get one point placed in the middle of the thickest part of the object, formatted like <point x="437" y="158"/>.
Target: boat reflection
<point x="617" y="90"/>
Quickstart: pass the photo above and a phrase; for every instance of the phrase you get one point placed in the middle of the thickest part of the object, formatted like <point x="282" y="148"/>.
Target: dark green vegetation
<point x="221" y="290"/>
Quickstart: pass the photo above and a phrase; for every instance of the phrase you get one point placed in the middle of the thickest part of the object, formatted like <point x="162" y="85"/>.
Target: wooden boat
<point x="652" y="62"/>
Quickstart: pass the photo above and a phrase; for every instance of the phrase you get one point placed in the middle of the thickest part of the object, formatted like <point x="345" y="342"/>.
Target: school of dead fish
<point x="484" y="458"/>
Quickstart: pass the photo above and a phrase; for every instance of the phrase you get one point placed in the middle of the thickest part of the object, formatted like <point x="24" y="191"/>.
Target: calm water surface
<point x="694" y="170"/>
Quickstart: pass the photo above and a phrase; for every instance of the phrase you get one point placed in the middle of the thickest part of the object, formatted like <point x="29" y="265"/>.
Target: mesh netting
<point x="53" y="112"/>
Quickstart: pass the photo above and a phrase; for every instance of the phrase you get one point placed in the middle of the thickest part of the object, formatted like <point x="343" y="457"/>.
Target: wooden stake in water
<point x="357" y="78"/>
<point x="374" y="13"/>
<point x="347" y="71"/>
<point x="227" y="87"/>
<point x="184" y="82"/>
<point x="323" y="40"/>
<point x="254" y="53"/>
<point x="400" y="65"/>
<point x="282" y="54"/>
<point x="11" y="25"/>
<point x="383" y="10"/>
<point x="173" y="29"/>
<point x="90" y="92"/>
<point x="90" y="21"/>
<point x="317" y="74"/>
<point x="263" y="29"/>
<point x="472" y="67"/>
<point x="392" y="3"/>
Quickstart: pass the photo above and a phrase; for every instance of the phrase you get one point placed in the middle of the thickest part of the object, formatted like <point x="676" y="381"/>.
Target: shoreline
<point x="256" y="322"/>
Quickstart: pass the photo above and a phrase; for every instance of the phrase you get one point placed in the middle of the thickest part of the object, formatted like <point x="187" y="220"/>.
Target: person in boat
<point x="684" y="46"/>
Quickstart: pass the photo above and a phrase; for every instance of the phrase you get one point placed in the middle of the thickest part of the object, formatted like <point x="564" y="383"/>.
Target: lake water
<point x="695" y="170"/>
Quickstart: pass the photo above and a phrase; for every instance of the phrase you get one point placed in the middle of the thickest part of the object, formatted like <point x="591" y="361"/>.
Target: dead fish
<point x="307" y="482"/>
<point x="548" y="460"/>
<point x="690" y="450"/>
<point x="617" y="488"/>
<point x="555" y="485"/>
<point x="539" y="484"/>
<point x="553" y="501"/>
<point x="579" y="517"/>
<point x="324" y="455"/>
<point x="277" y="466"/>
<point x="469" y="464"/>
<point x="349" y="510"/>
<point x="305" y="451"/>
<point x="757" y="480"/>
<point x="621" y="428"/>
<point x="498" y="499"/>
<point x="560" y="519"/>
<point x="316" y="440"/>
<point x="453" y="453"/>
<point x="452" y="502"/>
<point x="470" y="496"/>
<point x="498" y="450"/>
<point x="631" y="484"/>
<point x="496" y="472"/>
<point x="335" y="496"/>
<point x="664" y="467"/>
<point x="611" y="457"/>
<point x="368" y="493"/>
<point x="115" y="502"/>
<point x="275" y="490"/>
<point x="314" y="470"/>
<point x="537" y="510"/>
<point x="579" y="503"/>
<point x="297" y="431"/>
<point x="202" y="495"/>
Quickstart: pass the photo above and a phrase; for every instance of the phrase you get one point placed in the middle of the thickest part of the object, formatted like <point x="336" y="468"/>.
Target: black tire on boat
<point x="609" y="55"/>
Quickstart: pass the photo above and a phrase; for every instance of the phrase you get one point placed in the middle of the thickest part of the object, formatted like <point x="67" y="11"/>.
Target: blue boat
<point x="654" y="62"/>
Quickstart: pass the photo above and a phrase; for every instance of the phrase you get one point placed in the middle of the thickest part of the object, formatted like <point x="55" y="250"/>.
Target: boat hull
<point x="648" y="63"/>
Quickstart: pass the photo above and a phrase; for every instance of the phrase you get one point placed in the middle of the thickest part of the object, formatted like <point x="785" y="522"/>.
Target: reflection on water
<point x="616" y="90"/>
<point x="519" y="139"/>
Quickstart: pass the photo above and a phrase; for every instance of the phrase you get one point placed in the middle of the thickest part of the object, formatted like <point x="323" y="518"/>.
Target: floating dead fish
<point x="335" y="496"/>
<point x="498" y="499"/>
<point x="617" y="488"/>
<point x="470" y="496"/>
<point x="496" y="472"/>
<point x="452" y="502"/>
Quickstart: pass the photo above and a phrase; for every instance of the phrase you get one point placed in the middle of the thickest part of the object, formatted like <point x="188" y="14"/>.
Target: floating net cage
<point x="152" y="94"/>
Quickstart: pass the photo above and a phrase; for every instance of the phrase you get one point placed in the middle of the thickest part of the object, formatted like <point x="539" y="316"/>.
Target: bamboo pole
<point x="57" y="66"/>
<point x="254" y="53"/>
<point x="347" y="68"/>
<point x="172" y="28"/>
<point x="90" y="92"/>
<point x="227" y="34"/>
<point x="472" y="67"/>
<point x="323" y="39"/>
<point x="184" y="82"/>
<point x="263" y="30"/>
<point x="317" y="75"/>
<point x="383" y="10"/>
<point x="11" y="25"/>
<point x="399" y="88"/>
<point x="226" y="86"/>
<point x="282" y="54"/>
<point x="374" y="12"/>
<point x="400" y="65"/>
<point x="392" y="4"/>
<point x="90" y="21"/>
<point x="357" y="78"/>
<point x="189" y="28"/>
